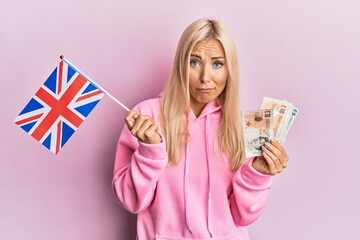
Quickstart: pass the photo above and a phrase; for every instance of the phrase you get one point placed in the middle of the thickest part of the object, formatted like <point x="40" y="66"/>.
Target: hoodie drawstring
<point x="187" y="220"/>
<point x="209" y="175"/>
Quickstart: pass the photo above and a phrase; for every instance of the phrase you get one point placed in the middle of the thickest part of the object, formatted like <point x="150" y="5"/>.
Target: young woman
<point x="180" y="161"/>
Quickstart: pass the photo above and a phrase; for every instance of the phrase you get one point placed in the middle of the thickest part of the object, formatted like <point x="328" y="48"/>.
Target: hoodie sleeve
<point x="138" y="167"/>
<point x="250" y="193"/>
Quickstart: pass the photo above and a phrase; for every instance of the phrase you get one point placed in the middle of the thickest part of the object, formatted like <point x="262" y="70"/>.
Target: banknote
<point x="284" y="115"/>
<point x="258" y="128"/>
<point x="294" y="112"/>
<point x="280" y="111"/>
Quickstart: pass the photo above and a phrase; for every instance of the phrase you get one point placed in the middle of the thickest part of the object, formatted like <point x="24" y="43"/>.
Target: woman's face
<point x="208" y="73"/>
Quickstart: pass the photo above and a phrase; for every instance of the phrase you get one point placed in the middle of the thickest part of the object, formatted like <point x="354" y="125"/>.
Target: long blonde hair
<point x="175" y="103"/>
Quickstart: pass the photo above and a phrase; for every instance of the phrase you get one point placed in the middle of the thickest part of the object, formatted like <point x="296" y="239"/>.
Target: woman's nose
<point x="205" y="73"/>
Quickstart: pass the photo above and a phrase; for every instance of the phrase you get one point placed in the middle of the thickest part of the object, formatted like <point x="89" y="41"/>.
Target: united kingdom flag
<point x="59" y="107"/>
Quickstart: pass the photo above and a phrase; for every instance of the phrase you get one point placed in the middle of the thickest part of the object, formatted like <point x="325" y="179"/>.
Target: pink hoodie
<point x="200" y="198"/>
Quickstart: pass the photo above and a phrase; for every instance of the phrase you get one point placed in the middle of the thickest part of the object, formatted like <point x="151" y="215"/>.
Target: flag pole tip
<point x="61" y="56"/>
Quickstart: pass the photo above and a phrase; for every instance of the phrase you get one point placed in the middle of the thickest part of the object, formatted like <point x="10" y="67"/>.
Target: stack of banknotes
<point x="272" y="121"/>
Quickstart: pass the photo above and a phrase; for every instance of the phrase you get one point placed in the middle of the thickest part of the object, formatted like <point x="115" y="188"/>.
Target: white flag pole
<point x="94" y="83"/>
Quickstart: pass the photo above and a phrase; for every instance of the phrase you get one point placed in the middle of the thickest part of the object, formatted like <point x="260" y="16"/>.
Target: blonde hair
<point x="175" y="103"/>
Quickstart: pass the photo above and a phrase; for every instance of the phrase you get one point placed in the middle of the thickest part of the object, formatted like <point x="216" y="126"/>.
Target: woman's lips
<point x="204" y="90"/>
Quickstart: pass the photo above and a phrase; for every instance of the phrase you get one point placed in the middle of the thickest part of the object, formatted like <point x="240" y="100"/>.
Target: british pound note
<point x="281" y="111"/>
<point x="294" y="112"/>
<point x="258" y="129"/>
<point x="284" y="116"/>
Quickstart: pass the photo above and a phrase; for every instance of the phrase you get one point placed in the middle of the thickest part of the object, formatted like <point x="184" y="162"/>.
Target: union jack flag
<point x="59" y="107"/>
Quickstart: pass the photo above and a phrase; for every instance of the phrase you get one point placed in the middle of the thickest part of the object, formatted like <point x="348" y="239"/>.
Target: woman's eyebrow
<point x="214" y="58"/>
<point x="195" y="55"/>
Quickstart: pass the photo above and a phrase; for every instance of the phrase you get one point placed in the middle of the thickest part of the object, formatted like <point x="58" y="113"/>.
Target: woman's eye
<point x="218" y="64"/>
<point x="194" y="63"/>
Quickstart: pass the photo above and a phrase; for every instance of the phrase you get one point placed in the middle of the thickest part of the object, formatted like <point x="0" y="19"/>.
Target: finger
<point x="139" y="121"/>
<point x="272" y="148"/>
<point x="151" y="134"/>
<point x="278" y="146"/>
<point x="284" y="158"/>
<point x="277" y="164"/>
<point x="276" y="143"/>
<point x="130" y="118"/>
<point x="143" y="128"/>
<point x="270" y="154"/>
<point x="270" y="163"/>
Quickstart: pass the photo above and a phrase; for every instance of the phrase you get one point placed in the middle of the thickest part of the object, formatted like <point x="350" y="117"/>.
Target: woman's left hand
<point x="273" y="160"/>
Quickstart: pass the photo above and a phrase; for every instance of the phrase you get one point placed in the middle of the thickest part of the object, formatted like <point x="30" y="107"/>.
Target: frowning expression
<point x="208" y="73"/>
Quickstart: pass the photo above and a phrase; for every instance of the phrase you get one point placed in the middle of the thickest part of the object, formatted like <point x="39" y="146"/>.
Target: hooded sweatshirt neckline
<point x="210" y="107"/>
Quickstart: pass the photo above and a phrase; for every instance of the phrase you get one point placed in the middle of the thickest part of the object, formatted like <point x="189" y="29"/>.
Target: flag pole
<point x="94" y="83"/>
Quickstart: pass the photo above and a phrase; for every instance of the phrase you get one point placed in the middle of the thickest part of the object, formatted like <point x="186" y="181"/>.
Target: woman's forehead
<point x="209" y="46"/>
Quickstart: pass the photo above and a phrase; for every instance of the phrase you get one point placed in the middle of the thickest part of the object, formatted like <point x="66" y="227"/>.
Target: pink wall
<point x="307" y="52"/>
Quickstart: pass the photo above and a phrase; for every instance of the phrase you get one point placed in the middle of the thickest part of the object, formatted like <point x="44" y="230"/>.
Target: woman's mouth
<point x="204" y="90"/>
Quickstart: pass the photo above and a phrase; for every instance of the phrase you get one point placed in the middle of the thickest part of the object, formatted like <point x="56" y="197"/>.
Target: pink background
<point x="307" y="52"/>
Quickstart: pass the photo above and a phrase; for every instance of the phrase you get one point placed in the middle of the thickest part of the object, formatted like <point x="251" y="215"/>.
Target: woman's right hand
<point x="142" y="127"/>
